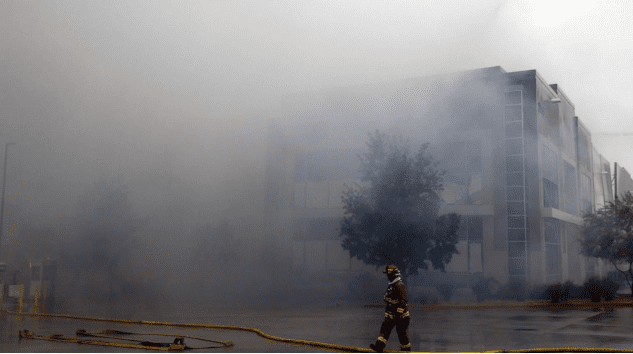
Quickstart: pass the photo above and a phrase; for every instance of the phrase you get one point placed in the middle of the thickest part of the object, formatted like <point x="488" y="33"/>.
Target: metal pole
<point x="615" y="182"/>
<point x="4" y="180"/>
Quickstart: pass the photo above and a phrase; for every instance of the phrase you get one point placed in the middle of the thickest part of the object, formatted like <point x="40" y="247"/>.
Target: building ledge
<point x="463" y="209"/>
<point x="561" y="215"/>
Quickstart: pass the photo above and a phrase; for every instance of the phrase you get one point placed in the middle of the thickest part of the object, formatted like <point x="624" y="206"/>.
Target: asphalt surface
<point x="440" y="329"/>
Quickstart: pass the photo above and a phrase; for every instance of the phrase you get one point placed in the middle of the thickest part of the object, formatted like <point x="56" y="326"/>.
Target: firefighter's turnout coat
<point x="396" y="299"/>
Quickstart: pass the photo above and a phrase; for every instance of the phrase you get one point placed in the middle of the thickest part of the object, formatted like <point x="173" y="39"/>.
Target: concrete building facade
<point x="522" y="171"/>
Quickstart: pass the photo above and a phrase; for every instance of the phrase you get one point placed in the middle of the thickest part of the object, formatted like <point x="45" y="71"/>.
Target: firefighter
<point x="396" y="312"/>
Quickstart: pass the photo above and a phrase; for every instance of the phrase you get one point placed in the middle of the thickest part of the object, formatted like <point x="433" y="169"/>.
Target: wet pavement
<point x="431" y="330"/>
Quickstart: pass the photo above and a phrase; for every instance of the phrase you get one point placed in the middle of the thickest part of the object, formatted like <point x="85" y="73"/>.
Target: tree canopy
<point x="391" y="217"/>
<point x="608" y="234"/>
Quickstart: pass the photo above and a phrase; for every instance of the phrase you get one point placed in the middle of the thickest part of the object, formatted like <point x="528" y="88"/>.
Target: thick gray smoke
<point x="167" y="105"/>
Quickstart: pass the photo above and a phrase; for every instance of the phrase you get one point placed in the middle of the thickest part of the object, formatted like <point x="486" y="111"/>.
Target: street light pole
<point x="615" y="178"/>
<point x="4" y="180"/>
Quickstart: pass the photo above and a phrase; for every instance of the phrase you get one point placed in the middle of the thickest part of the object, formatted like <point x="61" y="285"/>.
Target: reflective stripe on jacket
<point x="396" y="299"/>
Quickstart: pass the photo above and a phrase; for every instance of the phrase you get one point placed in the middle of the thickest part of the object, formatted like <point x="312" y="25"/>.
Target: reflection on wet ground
<point x="443" y="330"/>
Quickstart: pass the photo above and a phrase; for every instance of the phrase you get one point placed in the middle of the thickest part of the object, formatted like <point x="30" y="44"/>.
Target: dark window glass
<point x="516" y="208"/>
<point x="513" y="97"/>
<point x="513" y="113"/>
<point x="514" y="146"/>
<point x="552" y="230"/>
<point x="345" y="164"/>
<point x="516" y="266"/>
<point x="48" y="272"/>
<point x="584" y="151"/>
<point x="471" y="229"/>
<point x="516" y="234"/>
<point x="550" y="194"/>
<point x="317" y="229"/>
<point x="516" y="249"/>
<point x="514" y="179"/>
<point x="585" y="192"/>
<point x="35" y="273"/>
<point x="541" y="109"/>
<point x="462" y="231"/>
<point x="514" y="163"/>
<point x="516" y="222"/>
<point x="514" y="130"/>
<point x="550" y="164"/>
<point x="475" y="229"/>
<point x="514" y="193"/>
<point x="569" y="189"/>
<point x="553" y="259"/>
<point x="316" y="167"/>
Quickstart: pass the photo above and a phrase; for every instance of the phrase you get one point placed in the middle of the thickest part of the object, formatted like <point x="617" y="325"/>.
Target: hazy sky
<point x="170" y="93"/>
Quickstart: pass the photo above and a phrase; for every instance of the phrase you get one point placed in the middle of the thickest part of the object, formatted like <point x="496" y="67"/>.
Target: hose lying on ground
<point x="114" y="334"/>
<point x="301" y="342"/>
<point x="63" y="339"/>
<point x="329" y="346"/>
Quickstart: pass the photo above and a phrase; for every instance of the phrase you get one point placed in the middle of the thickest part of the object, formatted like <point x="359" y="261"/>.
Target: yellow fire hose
<point x="179" y="338"/>
<point x="300" y="342"/>
<point x="60" y="338"/>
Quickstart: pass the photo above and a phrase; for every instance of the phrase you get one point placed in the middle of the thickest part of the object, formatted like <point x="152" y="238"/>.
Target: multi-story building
<point x="522" y="171"/>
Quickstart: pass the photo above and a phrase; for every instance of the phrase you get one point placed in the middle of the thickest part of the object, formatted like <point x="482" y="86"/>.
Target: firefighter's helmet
<point x="391" y="270"/>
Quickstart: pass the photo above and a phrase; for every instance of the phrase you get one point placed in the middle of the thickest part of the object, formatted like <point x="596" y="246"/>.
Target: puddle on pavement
<point x="606" y="315"/>
<point x="521" y="318"/>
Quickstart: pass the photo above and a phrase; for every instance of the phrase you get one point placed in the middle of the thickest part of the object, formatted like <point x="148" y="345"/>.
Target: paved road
<point x="445" y="330"/>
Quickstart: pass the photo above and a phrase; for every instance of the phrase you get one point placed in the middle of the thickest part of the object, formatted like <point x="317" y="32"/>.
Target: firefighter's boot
<point x="405" y="348"/>
<point x="378" y="347"/>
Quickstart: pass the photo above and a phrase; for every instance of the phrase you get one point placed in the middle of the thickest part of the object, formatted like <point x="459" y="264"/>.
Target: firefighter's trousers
<point x="401" y="324"/>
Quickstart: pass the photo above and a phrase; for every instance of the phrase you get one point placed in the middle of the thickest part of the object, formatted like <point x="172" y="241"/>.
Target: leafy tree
<point x="392" y="216"/>
<point x="608" y="235"/>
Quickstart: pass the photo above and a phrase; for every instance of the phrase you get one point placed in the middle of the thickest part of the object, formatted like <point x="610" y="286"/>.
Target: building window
<point x="311" y="167"/>
<point x="515" y="194"/>
<point x="471" y="229"/>
<point x="315" y="229"/>
<point x="569" y="189"/>
<point x="552" y="249"/>
<point x="516" y="249"/>
<point x="514" y="146"/>
<point x="327" y="165"/>
<point x="515" y="179"/>
<point x="514" y="164"/>
<point x="550" y="194"/>
<point x="513" y="97"/>
<point x="35" y="273"/>
<point x="585" y="194"/>
<point x="515" y="187"/>
<point x="514" y="130"/>
<point x="513" y="113"/>
<point x="550" y="178"/>
<point x="584" y="150"/>
<point x="463" y="161"/>
<point x="471" y="233"/>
